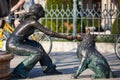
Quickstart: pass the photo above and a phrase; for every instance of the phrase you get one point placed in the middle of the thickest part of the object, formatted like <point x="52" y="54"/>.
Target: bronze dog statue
<point x="90" y="58"/>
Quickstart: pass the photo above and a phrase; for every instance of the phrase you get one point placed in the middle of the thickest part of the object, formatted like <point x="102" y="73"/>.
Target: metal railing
<point x="77" y="20"/>
<point x="67" y="20"/>
<point x="81" y="16"/>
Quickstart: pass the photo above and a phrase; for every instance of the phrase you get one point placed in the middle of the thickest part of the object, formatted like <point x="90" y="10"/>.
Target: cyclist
<point x="26" y="5"/>
<point x="19" y="43"/>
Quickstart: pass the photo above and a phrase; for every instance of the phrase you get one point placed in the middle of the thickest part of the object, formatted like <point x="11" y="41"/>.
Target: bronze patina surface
<point x="91" y="58"/>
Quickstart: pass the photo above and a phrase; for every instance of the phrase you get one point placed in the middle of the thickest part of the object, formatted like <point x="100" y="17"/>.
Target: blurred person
<point x="26" y="4"/>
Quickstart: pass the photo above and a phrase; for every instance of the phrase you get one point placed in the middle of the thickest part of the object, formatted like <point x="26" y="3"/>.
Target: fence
<point x="76" y="20"/>
<point x="67" y="20"/>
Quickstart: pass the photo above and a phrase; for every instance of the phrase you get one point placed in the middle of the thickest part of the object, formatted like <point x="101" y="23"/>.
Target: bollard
<point x="5" y="65"/>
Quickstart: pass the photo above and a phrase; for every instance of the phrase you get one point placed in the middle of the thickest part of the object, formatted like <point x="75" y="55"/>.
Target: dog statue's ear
<point x="87" y="31"/>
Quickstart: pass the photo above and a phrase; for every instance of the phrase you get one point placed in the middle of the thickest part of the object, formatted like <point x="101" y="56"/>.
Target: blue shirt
<point x="28" y="4"/>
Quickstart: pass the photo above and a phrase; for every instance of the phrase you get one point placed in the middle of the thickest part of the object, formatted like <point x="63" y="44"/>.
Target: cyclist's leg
<point x="16" y="23"/>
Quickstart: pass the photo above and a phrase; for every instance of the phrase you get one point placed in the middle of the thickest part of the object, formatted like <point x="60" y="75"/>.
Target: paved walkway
<point x="63" y="55"/>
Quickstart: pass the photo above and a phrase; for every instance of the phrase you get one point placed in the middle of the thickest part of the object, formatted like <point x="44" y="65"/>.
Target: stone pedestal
<point x="5" y="65"/>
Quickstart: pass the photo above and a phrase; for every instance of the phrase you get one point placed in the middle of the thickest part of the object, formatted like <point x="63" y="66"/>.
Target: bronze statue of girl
<point x="19" y="44"/>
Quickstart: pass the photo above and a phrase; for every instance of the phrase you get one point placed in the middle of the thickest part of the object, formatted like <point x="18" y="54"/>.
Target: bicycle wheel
<point x="117" y="48"/>
<point x="43" y="39"/>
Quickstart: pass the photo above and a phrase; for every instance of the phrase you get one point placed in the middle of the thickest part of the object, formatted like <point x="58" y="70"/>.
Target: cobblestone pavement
<point x="63" y="55"/>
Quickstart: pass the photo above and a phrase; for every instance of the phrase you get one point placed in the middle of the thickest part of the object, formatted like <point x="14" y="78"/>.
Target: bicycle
<point x="117" y="48"/>
<point x="38" y="36"/>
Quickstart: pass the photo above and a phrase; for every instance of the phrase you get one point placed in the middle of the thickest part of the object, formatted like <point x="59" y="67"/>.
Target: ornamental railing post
<point x="74" y="17"/>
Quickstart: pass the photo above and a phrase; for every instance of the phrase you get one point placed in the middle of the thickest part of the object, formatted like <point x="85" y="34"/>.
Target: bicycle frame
<point x="7" y="27"/>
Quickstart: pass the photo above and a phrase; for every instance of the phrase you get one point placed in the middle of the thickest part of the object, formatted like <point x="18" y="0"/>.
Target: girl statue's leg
<point x="36" y="53"/>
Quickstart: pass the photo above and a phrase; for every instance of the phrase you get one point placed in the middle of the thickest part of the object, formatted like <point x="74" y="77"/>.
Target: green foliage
<point x="116" y="25"/>
<point x="59" y="5"/>
<point x="58" y="24"/>
<point x="107" y="38"/>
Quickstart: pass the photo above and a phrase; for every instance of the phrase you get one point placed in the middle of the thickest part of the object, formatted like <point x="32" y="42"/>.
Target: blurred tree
<point x="116" y="25"/>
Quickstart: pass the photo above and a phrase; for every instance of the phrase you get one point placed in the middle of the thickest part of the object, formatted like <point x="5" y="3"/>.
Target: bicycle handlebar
<point x="10" y="19"/>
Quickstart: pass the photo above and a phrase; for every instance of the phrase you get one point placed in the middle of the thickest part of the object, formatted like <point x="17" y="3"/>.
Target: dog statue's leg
<point x="81" y="68"/>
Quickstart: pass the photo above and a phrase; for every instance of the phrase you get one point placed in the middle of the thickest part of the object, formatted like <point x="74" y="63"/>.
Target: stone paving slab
<point x="63" y="55"/>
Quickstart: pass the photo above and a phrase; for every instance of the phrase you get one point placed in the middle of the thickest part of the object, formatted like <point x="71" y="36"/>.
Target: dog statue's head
<point x="87" y="40"/>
